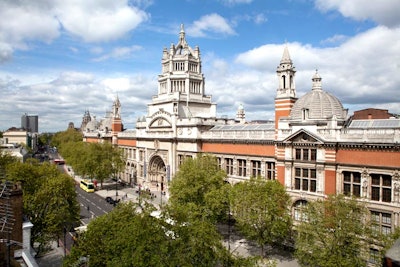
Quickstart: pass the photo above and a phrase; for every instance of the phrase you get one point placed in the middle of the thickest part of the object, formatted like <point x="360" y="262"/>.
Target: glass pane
<point x="375" y="216"/>
<point x="298" y="153"/>
<point x="386" y="218"/>
<point x="305" y="185"/>
<point x="305" y="173"/>
<point x="298" y="172"/>
<point x="313" y="173"/>
<point x="375" y="179"/>
<point x="346" y="189"/>
<point x="313" y="186"/>
<point x="356" y="190"/>
<point x="305" y="154"/>
<point x="375" y="193"/>
<point x="356" y="177"/>
<point x="313" y="154"/>
<point x="386" y="195"/>
<point x="346" y="176"/>
<point x="387" y="180"/>
<point x="297" y="184"/>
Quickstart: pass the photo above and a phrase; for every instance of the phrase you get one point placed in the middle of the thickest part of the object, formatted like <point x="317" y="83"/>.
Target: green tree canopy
<point x="94" y="160"/>
<point x="49" y="199"/>
<point x="199" y="189"/>
<point x="262" y="211"/>
<point x="126" y="237"/>
<point x="70" y="135"/>
<point x="335" y="232"/>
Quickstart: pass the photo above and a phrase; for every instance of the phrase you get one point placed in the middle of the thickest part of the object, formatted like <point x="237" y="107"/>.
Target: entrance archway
<point x="157" y="171"/>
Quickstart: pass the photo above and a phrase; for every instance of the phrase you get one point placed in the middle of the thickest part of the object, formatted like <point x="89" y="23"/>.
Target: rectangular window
<point x="351" y="183"/>
<point x="181" y="158"/>
<point x="255" y="168"/>
<point x="141" y="155"/>
<point x="305" y="179"/>
<point x="381" y="187"/>
<point x="242" y="167"/>
<point x="219" y="162"/>
<point x="270" y="170"/>
<point x="383" y="222"/>
<point x="306" y="154"/>
<point x="229" y="166"/>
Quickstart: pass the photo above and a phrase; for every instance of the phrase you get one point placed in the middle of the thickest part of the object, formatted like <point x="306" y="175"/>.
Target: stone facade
<point x="312" y="148"/>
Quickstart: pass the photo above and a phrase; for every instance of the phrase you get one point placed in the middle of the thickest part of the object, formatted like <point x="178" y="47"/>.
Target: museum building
<point x="314" y="148"/>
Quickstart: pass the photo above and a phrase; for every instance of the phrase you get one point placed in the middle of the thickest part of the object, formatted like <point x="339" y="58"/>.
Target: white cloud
<point x="357" y="72"/>
<point x="97" y="21"/>
<point x="65" y="98"/>
<point x="212" y="23"/>
<point x="384" y="12"/>
<point x="91" y="20"/>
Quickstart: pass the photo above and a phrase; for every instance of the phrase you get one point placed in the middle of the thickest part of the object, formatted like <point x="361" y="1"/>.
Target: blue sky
<point x="59" y="58"/>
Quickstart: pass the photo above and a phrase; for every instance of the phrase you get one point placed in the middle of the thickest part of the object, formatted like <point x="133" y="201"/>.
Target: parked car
<point x="112" y="201"/>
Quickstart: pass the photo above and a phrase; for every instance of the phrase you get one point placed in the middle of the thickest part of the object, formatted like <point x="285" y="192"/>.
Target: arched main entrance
<point x="157" y="171"/>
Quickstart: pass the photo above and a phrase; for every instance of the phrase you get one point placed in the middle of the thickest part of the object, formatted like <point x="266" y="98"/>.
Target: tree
<point x="70" y="135"/>
<point x="335" y="232"/>
<point x="199" y="187"/>
<point x="5" y="160"/>
<point x="126" y="237"/>
<point x="49" y="199"/>
<point x="94" y="160"/>
<point x="262" y="211"/>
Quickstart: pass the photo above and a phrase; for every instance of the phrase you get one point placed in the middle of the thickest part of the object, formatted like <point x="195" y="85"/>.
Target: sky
<point x="60" y="58"/>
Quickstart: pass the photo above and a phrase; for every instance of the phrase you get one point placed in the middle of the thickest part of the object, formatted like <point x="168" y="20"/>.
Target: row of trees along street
<point x="336" y="231"/>
<point x="49" y="198"/>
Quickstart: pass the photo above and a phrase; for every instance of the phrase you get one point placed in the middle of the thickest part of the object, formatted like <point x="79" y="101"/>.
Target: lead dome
<point x="318" y="104"/>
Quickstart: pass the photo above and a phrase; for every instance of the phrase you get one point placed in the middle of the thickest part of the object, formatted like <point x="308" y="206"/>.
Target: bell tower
<point x="286" y="92"/>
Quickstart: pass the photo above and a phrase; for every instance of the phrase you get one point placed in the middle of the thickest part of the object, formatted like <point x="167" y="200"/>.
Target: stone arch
<point x="157" y="171"/>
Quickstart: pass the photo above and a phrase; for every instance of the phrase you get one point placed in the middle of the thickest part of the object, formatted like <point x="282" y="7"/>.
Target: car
<point x="112" y="201"/>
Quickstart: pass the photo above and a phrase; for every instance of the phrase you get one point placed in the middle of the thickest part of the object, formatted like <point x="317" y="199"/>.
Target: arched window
<point x="298" y="209"/>
<point x="284" y="81"/>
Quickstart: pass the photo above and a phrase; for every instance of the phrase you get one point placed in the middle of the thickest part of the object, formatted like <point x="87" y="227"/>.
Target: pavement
<point x="236" y="243"/>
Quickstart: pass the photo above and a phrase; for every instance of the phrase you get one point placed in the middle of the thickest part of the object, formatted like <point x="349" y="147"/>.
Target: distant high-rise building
<point x="30" y="123"/>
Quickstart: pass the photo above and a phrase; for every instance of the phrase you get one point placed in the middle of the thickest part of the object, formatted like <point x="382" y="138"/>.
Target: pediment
<point x="303" y="136"/>
<point x="160" y="122"/>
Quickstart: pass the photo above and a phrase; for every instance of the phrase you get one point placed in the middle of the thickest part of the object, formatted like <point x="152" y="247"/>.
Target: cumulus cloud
<point x="65" y="98"/>
<point x="96" y="21"/>
<point x="384" y="12"/>
<point x="91" y="21"/>
<point x="357" y="72"/>
<point x="210" y="24"/>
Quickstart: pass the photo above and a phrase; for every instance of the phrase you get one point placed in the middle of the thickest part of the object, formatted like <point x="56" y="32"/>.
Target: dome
<point x="317" y="104"/>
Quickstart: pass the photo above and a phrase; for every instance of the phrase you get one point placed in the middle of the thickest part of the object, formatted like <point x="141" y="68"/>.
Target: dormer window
<point x="305" y="114"/>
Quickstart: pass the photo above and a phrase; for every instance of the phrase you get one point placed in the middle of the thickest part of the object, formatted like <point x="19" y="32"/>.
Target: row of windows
<point x="306" y="154"/>
<point x="242" y="168"/>
<point x="380" y="187"/>
<point x="382" y="220"/>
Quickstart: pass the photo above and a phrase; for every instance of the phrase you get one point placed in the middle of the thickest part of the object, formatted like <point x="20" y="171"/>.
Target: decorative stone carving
<point x="364" y="180"/>
<point x="396" y="186"/>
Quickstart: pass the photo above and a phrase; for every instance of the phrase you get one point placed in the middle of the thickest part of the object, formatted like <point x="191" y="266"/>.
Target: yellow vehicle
<point x="87" y="186"/>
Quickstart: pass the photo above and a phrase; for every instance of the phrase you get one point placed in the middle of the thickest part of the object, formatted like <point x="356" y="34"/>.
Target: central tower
<point x="181" y="82"/>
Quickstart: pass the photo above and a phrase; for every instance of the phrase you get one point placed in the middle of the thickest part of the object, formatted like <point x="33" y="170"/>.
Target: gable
<point x="303" y="136"/>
